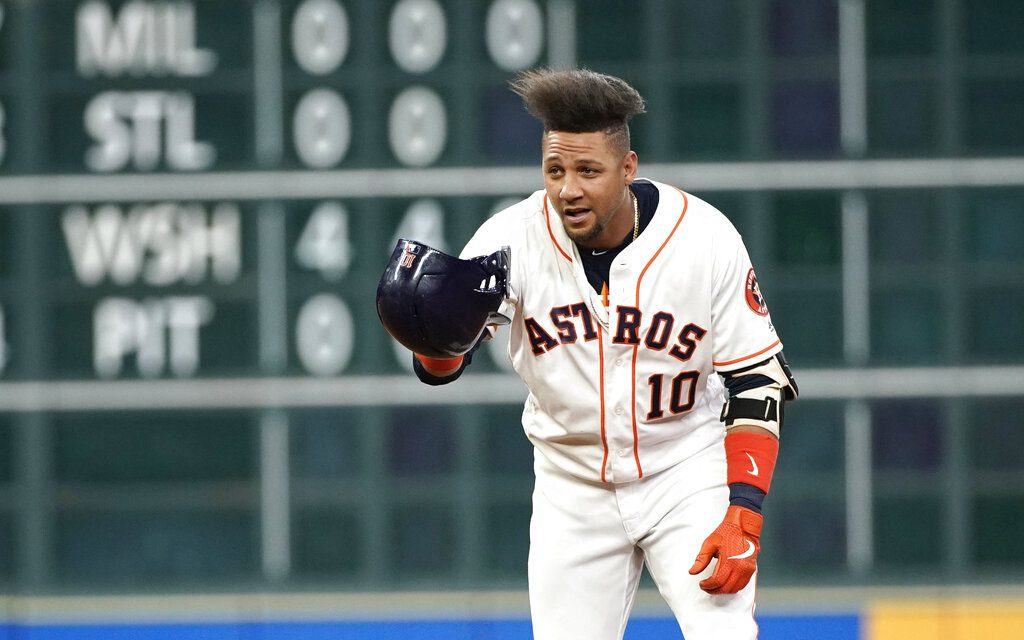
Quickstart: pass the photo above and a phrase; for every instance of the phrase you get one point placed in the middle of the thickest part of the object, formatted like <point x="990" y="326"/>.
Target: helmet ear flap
<point x="497" y="264"/>
<point x="438" y="305"/>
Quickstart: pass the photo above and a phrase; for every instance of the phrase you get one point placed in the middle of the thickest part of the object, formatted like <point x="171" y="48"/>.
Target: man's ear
<point x="629" y="165"/>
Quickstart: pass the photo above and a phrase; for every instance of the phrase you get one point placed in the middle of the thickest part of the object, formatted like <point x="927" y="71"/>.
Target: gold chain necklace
<point x="636" y="214"/>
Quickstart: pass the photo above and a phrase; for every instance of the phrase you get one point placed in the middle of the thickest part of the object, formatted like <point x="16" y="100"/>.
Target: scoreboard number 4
<point x="324" y="244"/>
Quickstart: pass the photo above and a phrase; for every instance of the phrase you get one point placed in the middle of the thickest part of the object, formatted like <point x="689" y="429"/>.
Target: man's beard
<point x="586" y="235"/>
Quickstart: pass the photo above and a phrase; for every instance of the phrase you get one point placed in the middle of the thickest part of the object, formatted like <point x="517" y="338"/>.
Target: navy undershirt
<point x="598" y="267"/>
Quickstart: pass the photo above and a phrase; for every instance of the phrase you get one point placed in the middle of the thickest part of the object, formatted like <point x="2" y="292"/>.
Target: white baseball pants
<point x="589" y="541"/>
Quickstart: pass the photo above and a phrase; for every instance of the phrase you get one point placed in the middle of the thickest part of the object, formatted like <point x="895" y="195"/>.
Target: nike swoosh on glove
<point x="736" y="543"/>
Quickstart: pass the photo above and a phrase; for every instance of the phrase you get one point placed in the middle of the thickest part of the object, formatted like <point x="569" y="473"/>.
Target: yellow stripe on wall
<point x="946" y="620"/>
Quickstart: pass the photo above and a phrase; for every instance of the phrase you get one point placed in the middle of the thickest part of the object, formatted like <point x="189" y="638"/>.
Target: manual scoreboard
<point x="197" y="199"/>
<point x="209" y="189"/>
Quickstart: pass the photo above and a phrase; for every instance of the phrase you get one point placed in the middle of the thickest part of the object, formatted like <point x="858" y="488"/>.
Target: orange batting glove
<point x="736" y="543"/>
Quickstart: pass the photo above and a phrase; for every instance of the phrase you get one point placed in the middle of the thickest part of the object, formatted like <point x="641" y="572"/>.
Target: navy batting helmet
<point x="437" y="305"/>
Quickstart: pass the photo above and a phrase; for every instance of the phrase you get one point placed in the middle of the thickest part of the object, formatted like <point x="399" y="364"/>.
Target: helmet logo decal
<point x="409" y="256"/>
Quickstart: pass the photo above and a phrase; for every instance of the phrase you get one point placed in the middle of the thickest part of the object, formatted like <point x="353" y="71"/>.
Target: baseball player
<point x="656" y="379"/>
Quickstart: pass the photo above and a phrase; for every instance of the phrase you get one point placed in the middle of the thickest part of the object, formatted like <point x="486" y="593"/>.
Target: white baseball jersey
<point x="623" y="391"/>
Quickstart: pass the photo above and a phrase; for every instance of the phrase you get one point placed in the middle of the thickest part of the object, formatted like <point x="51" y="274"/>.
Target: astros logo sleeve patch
<point x="753" y="293"/>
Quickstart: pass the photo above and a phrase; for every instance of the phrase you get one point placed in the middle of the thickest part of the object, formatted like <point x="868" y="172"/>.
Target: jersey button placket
<point x="619" y="426"/>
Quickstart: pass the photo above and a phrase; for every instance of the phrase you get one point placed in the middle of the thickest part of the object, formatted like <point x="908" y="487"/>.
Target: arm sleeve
<point x="742" y="330"/>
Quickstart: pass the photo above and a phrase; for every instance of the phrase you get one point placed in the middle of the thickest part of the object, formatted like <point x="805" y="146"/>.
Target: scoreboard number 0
<point x="417" y="127"/>
<point x="320" y="36"/>
<point x="323" y="128"/>
<point x="324" y="333"/>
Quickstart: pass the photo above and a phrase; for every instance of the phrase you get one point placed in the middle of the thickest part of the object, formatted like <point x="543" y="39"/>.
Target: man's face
<point x="586" y="178"/>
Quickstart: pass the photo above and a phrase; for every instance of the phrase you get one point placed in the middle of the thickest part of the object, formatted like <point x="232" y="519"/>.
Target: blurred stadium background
<point x="204" y="433"/>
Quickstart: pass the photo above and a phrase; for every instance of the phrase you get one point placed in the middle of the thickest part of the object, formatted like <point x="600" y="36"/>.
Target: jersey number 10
<point x="682" y="391"/>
